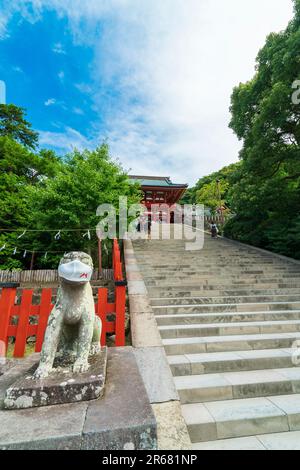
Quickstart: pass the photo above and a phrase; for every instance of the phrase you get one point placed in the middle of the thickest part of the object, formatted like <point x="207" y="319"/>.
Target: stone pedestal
<point x="121" y="420"/>
<point x="61" y="386"/>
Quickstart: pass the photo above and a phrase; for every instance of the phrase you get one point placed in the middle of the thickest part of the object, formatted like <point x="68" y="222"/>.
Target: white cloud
<point x="182" y="58"/>
<point x="84" y="88"/>
<point x="61" y="75"/>
<point x="179" y="60"/>
<point x="29" y="11"/>
<point x="64" y="141"/>
<point x="50" y="102"/>
<point x="58" y="48"/>
<point x="174" y="63"/>
<point x="77" y="110"/>
<point x="17" y="69"/>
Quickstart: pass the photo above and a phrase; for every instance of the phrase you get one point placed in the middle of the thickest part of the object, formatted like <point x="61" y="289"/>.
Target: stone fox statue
<point x="73" y="327"/>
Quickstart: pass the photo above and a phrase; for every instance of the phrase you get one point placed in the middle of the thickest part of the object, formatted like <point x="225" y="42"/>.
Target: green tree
<point x="266" y="193"/>
<point x="188" y="197"/>
<point x="14" y="125"/>
<point x="206" y="191"/>
<point x="212" y="194"/>
<point x="20" y="169"/>
<point x="70" y="200"/>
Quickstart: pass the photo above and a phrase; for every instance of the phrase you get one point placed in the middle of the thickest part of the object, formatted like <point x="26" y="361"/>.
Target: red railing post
<point x="120" y="302"/>
<point x="120" y="296"/>
<point x="102" y="311"/>
<point x="7" y="301"/>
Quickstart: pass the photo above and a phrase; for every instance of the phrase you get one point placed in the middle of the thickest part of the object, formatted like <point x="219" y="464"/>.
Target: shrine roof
<point x="160" y="181"/>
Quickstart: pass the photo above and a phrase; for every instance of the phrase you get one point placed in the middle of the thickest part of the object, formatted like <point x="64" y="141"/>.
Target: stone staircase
<point x="229" y="316"/>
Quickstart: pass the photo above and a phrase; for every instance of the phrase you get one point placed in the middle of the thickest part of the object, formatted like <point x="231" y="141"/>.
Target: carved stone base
<point x="61" y="386"/>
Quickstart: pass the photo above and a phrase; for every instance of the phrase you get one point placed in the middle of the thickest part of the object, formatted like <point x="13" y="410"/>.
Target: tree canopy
<point x="266" y="193"/>
<point x="212" y="190"/>
<point x="42" y="193"/>
<point x="70" y="200"/>
<point x="14" y="125"/>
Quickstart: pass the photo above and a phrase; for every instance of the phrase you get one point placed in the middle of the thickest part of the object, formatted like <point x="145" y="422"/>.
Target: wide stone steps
<point x="195" y="283"/>
<point x="235" y="317"/>
<point x="240" y="307"/>
<point x="236" y="385"/>
<point x="274" y="441"/>
<point x="197" y="278"/>
<point x="229" y="319"/>
<point x="184" y="260"/>
<point x="219" y="270"/>
<point x="229" y="329"/>
<point x="204" y="289"/>
<point x="164" y="294"/>
<point x="211" y="363"/>
<point x="229" y="343"/>
<point x="242" y="417"/>
<point x="234" y="299"/>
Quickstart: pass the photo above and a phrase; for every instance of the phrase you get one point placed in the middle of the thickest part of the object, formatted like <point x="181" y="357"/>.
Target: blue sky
<point x="152" y="77"/>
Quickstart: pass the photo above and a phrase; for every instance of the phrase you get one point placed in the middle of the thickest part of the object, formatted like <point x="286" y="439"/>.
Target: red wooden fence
<point x="23" y="329"/>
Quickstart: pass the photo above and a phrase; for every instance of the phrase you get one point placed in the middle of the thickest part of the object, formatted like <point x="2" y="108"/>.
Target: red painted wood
<point x="102" y="311"/>
<point x="23" y="323"/>
<point x="120" y="292"/>
<point x="110" y="327"/>
<point x="110" y="308"/>
<point x="15" y="310"/>
<point x="12" y="330"/>
<point x="7" y="300"/>
<point x="117" y="265"/>
<point x="44" y="312"/>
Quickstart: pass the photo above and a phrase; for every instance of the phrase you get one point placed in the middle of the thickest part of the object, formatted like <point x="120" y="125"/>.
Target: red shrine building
<point x="159" y="190"/>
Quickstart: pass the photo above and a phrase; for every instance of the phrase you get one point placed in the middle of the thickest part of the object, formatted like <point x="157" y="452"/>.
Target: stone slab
<point x="132" y="268"/>
<point x="281" y="441"/>
<point x="144" y="332"/>
<point x="6" y="364"/>
<point x="136" y="288"/>
<point x="172" y="433"/>
<point x="153" y="366"/>
<point x="140" y="304"/>
<point x="247" y="417"/>
<point x="134" y="276"/>
<point x="290" y="405"/>
<point x="62" y="385"/>
<point x="123" y="418"/>
<point x="14" y="370"/>
<point x="238" y="443"/>
<point x="49" y="427"/>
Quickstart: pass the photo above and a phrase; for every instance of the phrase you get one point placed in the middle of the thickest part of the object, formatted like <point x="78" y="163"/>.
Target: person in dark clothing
<point x="148" y="227"/>
<point x="214" y="231"/>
